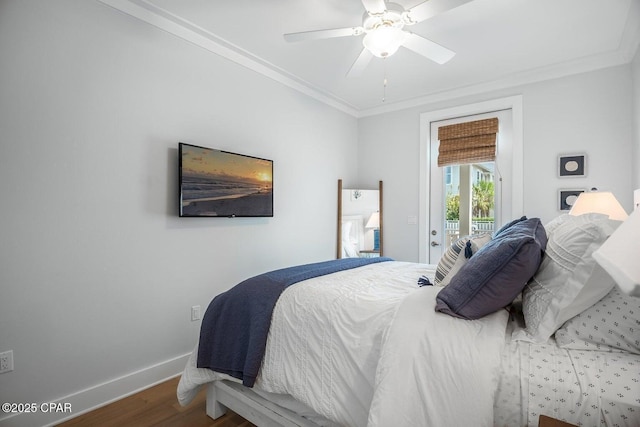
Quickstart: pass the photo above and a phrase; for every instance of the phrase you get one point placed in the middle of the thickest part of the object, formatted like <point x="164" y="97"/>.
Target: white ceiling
<point x="498" y="43"/>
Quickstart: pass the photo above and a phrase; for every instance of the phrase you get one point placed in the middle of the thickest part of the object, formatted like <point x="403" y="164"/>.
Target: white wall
<point x="589" y="113"/>
<point x="635" y="69"/>
<point x="98" y="273"/>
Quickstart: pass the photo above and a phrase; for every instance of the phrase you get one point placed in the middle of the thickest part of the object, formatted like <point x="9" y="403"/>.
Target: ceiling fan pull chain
<point x="384" y="81"/>
<point x="384" y="90"/>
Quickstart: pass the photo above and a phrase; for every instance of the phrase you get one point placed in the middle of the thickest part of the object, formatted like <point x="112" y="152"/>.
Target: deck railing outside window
<point x="478" y="227"/>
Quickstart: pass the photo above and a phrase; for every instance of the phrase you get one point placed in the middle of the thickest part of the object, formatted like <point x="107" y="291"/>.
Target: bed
<point x="379" y="342"/>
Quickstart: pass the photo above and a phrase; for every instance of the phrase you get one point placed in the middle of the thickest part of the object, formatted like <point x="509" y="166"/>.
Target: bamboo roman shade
<point x="470" y="142"/>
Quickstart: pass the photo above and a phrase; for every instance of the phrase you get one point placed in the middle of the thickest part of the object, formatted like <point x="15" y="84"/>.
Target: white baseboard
<point x="102" y="394"/>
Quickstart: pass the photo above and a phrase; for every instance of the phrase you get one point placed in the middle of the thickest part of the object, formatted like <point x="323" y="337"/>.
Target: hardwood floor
<point x="156" y="406"/>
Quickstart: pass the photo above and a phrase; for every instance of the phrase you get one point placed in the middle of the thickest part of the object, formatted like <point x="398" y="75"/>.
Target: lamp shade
<point x="374" y="220"/>
<point x="384" y="41"/>
<point x="603" y="202"/>
<point x="619" y="255"/>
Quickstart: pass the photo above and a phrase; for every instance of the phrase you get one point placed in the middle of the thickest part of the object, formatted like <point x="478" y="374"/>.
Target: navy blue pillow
<point x="508" y="225"/>
<point x="497" y="273"/>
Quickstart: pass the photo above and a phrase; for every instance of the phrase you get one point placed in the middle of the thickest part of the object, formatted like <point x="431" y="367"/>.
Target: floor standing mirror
<point x="359" y="222"/>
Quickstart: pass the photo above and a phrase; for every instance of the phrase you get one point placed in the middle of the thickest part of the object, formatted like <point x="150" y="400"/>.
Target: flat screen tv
<point x="215" y="183"/>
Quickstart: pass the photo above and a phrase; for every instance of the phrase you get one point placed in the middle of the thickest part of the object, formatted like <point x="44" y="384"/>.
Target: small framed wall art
<point x="566" y="198"/>
<point x="572" y="165"/>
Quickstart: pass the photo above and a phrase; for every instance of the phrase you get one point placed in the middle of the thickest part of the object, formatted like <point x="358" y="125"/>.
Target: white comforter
<point x="364" y="347"/>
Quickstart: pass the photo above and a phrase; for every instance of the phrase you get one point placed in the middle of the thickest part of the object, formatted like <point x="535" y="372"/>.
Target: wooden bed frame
<point x="223" y="395"/>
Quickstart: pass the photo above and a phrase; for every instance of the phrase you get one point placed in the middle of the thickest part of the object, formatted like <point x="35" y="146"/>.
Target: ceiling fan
<point x="383" y="26"/>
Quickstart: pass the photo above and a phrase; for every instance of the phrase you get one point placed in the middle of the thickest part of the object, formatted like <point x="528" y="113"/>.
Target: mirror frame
<point x="339" y="229"/>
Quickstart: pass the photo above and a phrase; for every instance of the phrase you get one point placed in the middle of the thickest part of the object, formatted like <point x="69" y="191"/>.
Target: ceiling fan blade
<point x="360" y="63"/>
<point x="432" y="8"/>
<point x="374" y="6"/>
<point x="323" y="34"/>
<point x="427" y="48"/>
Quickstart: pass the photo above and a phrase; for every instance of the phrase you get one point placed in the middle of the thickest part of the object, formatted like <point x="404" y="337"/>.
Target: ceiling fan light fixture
<point x="384" y="40"/>
<point x="382" y="25"/>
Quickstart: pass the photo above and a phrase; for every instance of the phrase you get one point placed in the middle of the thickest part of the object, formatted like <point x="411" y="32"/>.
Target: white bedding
<point x="582" y="387"/>
<point x="354" y="363"/>
<point x="437" y="370"/>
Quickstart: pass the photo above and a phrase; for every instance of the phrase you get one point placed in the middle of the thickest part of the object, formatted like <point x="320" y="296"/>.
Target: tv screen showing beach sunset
<point x="219" y="183"/>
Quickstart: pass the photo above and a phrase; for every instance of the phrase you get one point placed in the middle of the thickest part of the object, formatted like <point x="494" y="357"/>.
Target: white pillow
<point x="612" y="324"/>
<point x="569" y="280"/>
<point x="554" y="223"/>
<point x="620" y="254"/>
<point x="551" y="226"/>
<point x="454" y="258"/>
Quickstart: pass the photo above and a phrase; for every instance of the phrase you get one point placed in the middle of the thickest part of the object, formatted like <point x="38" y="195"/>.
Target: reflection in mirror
<point x="359" y="222"/>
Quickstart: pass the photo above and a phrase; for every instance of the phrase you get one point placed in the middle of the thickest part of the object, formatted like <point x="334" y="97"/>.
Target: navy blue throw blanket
<point x="233" y="335"/>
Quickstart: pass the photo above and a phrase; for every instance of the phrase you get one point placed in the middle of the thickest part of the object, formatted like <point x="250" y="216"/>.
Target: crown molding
<point x="179" y="27"/>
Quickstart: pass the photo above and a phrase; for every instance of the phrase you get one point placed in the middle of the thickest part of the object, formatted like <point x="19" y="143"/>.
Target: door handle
<point x="435" y="243"/>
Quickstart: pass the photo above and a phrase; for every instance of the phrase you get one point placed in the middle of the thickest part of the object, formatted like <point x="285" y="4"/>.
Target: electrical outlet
<point x="6" y="361"/>
<point x="195" y="313"/>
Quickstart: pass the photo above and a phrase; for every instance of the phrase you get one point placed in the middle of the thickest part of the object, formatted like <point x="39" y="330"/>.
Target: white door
<point x="459" y="179"/>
